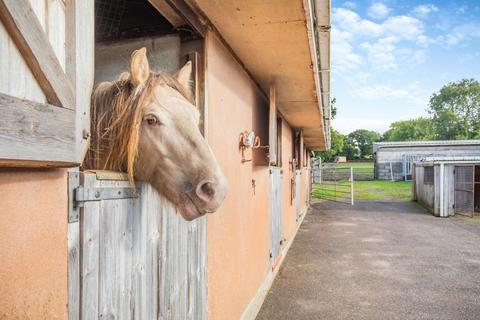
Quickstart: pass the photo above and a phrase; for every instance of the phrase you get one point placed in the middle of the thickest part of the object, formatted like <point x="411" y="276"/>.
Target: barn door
<point x="464" y="194"/>
<point x="133" y="256"/>
<point x="46" y="66"/>
<point x="276" y="231"/>
<point x="298" y="188"/>
<point x="307" y="186"/>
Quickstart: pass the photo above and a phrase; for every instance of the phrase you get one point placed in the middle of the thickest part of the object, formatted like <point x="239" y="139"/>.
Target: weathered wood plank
<point x="139" y="256"/>
<point x="35" y="131"/>
<point x="80" y="68"/>
<point x="272" y="127"/>
<point x="183" y="282"/>
<point x="140" y="259"/>
<point x="276" y="215"/>
<point x="301" y="156"/>
<point x="27" y="33"/>
<point x="188" y="15"/>
<point x="73" y="245"/>
<point x="195" y="51"/>
<point x="73" y="271"/>
<point x="151" y="209"/>
<point x="298" y="186"/>
<point x="17" y="80"/>
<point x="90" y="238"/>
<point x="168" y="13"/>
<point x="116" y="259"/>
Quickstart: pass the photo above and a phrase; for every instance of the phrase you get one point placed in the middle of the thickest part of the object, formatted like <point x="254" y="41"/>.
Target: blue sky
<point x="388" y="57"/>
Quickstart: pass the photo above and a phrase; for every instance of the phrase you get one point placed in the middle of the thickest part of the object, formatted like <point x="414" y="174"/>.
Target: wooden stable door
<point x="298" y="193"/>
<point x="276" y="214"/>
<point x="46" y="62"/>
<point x="131" y="255"/>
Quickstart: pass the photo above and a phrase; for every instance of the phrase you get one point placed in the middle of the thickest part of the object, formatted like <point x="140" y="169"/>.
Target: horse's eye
<point x="152" y="120"/>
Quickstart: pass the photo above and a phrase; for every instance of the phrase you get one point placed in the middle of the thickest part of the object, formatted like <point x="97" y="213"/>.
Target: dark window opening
<point x="296" y="149"/>
<point x="127" y="19"/>
<point x="428" y="175"/>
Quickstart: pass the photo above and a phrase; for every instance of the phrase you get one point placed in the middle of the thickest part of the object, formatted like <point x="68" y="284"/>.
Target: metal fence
<point x="323" y="172"/>
<point x="334" y="183"/>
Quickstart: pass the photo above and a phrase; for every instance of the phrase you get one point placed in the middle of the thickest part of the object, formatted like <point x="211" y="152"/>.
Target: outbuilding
<point x="394" y="160"/>
<point x="448" y="185"/>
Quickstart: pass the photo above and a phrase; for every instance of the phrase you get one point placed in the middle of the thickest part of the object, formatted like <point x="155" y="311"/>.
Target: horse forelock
<point x="116" y="113"/>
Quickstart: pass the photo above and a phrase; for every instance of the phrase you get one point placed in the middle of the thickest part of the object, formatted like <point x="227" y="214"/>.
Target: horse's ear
<point x="184" y="75"/>
<point x="139" y="68"/>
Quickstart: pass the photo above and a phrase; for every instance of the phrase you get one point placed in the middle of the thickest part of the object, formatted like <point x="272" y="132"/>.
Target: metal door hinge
<point x="83" y="194"/>
<point x="73" y="183"/>
<point x="78" y="195"/>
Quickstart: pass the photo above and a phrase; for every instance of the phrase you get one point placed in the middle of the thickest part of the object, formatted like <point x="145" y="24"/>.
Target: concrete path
<point x="379" y="261"/>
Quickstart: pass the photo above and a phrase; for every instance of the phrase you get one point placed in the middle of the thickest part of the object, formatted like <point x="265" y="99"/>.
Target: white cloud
<point x="350" y="5"/>
<point x="350" y="21"/>
<point x="424" y="41"/>
<point x="462" y="9"/>
<point x="378" y="10"/>
<point x="404" y="27"/>
<point x="381" y="54"/>
<point x="424" y="10"/>
<point x="401" y="26"/>
<point x="379" y="40"/>
<point x="459" y="33"/>
<point x="410" y="95"/>
<point x="343" y="56"/>
<point x="418" y="57"/>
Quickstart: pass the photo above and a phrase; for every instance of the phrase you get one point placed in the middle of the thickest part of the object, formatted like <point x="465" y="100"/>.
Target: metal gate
<point x="298" y="188"/>
<point x="408" y="161"/>
<point x="464" y="190"/>
<point x="131" y="255"/>
<point x="276" y="214"/>
<point x="336" y="184"/>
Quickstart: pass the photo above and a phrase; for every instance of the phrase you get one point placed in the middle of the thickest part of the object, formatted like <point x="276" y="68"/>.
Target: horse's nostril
<point x="206" y="191"/>
<point x="207" y="188"/>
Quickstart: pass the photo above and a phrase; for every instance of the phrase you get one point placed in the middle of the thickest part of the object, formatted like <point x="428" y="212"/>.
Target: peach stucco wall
<point x="33" y="244"/>
<point x="238" y="234"/>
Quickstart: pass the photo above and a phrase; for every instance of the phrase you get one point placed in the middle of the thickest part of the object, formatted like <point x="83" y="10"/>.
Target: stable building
<point x="394" y="160"/>
<point x="80" y="244"/>
<point x="448" y="185"/>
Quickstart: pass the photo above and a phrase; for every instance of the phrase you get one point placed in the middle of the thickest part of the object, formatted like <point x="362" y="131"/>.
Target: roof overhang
<point x="287" y="43"/>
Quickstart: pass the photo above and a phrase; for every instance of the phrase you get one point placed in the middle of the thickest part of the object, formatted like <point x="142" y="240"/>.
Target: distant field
<point x="359" y="165"/>
<point x="376" y="190"/>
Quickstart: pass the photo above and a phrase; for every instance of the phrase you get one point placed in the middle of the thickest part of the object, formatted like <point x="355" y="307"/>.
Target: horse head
<point x="146" y="124"/>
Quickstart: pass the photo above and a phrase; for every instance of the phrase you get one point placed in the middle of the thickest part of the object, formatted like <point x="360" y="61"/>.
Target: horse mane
<point x="116" y="116"/>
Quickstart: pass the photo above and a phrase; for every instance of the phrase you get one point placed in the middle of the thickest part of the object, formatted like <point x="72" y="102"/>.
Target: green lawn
<point x="358" y="165"/>
<point x="376" y="190"/>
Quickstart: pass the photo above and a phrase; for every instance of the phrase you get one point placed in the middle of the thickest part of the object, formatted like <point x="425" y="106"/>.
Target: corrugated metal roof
<point x="456" y="159"/>
<point x="398" y="144"/>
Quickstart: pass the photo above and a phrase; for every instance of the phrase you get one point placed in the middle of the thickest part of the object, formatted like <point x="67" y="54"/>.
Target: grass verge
<point x="376" y="190"/>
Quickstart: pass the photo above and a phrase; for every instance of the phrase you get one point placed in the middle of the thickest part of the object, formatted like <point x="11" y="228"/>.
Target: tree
<point x="455" y="110"/>
<point x="363" y="140"/>
<point x="350" y="149"/>
<point x="336" y="138"/>
<point x="336" y="146"/>
<point x="333" y="108"/>
<point x="410" y="130"/>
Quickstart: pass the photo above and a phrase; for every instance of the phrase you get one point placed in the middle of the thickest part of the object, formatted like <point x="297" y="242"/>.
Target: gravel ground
<point x="378" y="260"/>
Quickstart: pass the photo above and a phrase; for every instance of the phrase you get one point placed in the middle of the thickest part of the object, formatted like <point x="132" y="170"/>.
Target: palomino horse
<point x="145" y="124"/>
